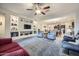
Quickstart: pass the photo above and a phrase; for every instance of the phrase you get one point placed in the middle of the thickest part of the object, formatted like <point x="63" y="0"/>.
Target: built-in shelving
<point x="17" y="30"/>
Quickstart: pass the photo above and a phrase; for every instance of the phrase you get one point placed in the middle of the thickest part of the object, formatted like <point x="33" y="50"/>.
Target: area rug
<point x="41" y="46"/>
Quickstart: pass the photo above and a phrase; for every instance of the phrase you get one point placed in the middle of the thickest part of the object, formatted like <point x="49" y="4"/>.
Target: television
<point x="26" y="26"/>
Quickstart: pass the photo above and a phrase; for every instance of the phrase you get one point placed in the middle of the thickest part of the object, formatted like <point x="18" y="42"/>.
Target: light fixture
<point x="39" y="8"/>
<point x="38" y="11"/>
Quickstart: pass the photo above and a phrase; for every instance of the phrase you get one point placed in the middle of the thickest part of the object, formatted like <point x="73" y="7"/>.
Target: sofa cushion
<point x="8" y="46"/>
<point x="67" y="38"/>
<point x="19" y="52"/>
<point x="10" y="50"/>
<point x="4" y="41"/>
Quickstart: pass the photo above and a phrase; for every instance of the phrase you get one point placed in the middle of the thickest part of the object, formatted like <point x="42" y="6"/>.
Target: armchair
<point x="40" y="34"/>
<point x="51" y="35"/>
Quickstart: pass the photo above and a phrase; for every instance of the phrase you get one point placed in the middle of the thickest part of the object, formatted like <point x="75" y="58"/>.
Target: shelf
<point x="22" y="33"/>
<point x="25" y="36"/>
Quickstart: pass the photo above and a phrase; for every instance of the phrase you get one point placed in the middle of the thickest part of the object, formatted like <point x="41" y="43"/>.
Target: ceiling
<point x="56" y="9"/>
<point x="59" y="20"/>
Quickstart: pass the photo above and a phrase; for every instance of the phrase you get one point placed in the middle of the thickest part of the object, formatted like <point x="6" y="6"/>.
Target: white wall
<point x="7" y="24"/>
<point x="2" y="25"/>
<point x="76" y="29"/>
<point x="41" y="26"/>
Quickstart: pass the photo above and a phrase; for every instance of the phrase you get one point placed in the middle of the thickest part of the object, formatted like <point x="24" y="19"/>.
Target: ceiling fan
<point x="39" y="8"/>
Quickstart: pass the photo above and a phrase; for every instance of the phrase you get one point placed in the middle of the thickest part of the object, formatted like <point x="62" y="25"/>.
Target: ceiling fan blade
<point x="29" y="9"/>
<point x="45" y="10"/>
<point x="43" y="13"/>
<point x="47" y="7"/>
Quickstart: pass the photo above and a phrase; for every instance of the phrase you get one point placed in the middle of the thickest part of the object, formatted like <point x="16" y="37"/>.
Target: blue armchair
<point x="40" y="34"/>
<point x="51" y="35"/>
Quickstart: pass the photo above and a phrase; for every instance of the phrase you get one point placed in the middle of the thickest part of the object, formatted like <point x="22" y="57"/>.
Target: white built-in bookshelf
<point x="21" y="27"/>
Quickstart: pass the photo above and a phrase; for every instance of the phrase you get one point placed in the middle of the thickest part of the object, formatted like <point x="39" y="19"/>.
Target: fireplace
<point x="14" y="34"/>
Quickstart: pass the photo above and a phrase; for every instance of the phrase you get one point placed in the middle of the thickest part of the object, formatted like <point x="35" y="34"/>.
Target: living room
<point x="39" y="29"/>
